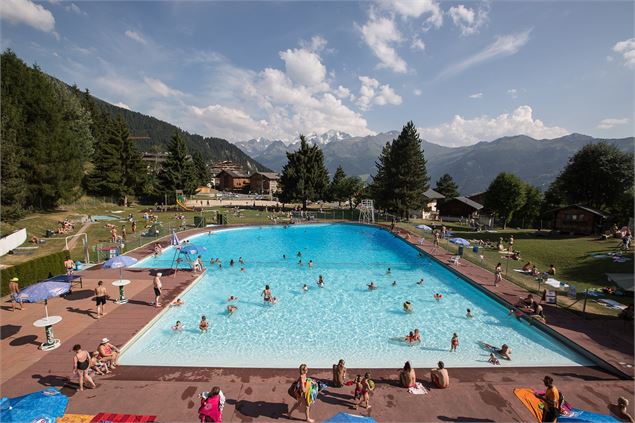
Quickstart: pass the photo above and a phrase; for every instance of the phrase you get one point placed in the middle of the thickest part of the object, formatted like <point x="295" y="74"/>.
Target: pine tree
<point x="337" y="188"/>
<point x="200" y="169"/>
<point x="178" y="172"/>
<point x="447" y="187"/>
<point x="402" y="177"/>
<point x="132" y="169"/>
<point x="304" y="177"/>
<point x="13" y="198"/>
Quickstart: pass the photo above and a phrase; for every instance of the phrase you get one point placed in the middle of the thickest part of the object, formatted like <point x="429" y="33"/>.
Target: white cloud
<point x="506" y="45"/>
<point x="476" y="95"/>
<point x="380" y="34"/>
<point x="342" y="92"/>
<point x="461" y="131"/>
<point x="627" y="49"/>
<point x="467" y="19"/>
<point x="372" y="92"/>
<point x="228" y="122"/>
<point x="136" y="36"/>
<point x="161" y="88"/>
<point x="513" y="92"/>
<point x="415" y="9"/>
<point x="75" y="9"/>
<point x="417" y="92"/>
<point x="317" y="44"/>
<point x="27" y="12"/>
<point x="609" y="123"/>
<point x="417" y="44"/>
<point x="305" y="68"/>
<point x="122" y="105"/>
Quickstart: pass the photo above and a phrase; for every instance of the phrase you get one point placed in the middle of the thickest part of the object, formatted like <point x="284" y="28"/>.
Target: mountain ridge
<point x="473" y="167"/>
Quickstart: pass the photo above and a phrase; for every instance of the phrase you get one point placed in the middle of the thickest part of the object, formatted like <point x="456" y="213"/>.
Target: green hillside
<point x="160" y="132"/>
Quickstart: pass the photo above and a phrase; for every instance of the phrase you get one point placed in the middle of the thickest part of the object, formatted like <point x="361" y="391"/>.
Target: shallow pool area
<point x="343" y="319"/>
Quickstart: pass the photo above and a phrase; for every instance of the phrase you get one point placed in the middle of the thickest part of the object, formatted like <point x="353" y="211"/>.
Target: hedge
<point x="34" y="270"/>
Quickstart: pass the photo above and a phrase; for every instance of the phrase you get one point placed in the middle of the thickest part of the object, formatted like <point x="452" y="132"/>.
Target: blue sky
<point x="462" y="71"/>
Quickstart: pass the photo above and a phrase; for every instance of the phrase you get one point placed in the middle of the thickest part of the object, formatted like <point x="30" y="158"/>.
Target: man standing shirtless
<point x="156" y="283"/>
<point x="14" y="289"/>
<point x="100" y="298"/>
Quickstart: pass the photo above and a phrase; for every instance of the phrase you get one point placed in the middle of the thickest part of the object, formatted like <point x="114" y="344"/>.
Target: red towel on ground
<point x="122" y="418"/>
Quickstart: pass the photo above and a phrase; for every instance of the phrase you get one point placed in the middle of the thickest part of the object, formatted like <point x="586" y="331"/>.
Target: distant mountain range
<point x="473" y="167"/>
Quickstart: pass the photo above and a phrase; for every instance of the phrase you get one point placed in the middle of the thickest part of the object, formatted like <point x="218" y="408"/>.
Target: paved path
<point x="81" y="230"/>
<point x="260" y="394"/>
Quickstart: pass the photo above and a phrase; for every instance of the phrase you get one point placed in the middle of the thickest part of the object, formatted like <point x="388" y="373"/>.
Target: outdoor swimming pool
<point x="342" y="320"/>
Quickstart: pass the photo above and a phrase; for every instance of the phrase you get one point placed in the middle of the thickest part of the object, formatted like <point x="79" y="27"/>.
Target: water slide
<point x="180" y="201"/>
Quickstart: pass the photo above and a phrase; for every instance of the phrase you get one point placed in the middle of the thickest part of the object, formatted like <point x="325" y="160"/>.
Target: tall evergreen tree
<point x="532" y="207"/>
<point x="337" y="187"/>
<point x="304" y="178"/>
<point x="402" y="177"/>
<point x="447" y="187"/>
<point x="177" y="172"/>
<point x="13" y="198"/>
<point x="505" y="195"/>
<point x="200" y="169"/>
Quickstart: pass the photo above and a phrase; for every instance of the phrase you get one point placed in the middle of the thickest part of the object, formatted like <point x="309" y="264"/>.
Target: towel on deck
<point x="418" y="390"/>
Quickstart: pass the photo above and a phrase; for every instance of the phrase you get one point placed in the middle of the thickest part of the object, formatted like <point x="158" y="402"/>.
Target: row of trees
<point x="57" y="144"/>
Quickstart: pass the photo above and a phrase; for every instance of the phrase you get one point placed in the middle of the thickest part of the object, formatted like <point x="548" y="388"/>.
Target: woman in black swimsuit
<point x="266" y="293"/>
<point x="81" y="362"/>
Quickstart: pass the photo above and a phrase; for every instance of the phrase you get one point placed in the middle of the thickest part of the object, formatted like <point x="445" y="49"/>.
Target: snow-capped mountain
<point x="258" y="146"/>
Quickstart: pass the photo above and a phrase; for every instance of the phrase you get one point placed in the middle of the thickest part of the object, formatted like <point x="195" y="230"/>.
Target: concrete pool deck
<point x="255" y="394"/>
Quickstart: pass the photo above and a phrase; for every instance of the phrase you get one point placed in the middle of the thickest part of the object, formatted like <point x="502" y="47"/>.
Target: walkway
<point x="81" y="230"/>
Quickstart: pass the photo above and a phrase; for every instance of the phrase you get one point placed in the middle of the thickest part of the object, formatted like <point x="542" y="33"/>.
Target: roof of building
<point x="234" y="174"/>
<point x="468" y="202"/>
<point x="268" y="175"/>
<point x="433" y="195"/>
<point x="580" y="206"/>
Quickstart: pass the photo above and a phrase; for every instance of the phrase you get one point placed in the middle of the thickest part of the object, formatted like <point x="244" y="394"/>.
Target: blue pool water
<point x="342" y="320"/>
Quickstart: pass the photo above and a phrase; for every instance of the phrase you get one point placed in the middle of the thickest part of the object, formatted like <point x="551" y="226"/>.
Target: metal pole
<point x="586" y="291"/>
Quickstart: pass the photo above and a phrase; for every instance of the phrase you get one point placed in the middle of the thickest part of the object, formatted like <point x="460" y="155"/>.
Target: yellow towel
<point x="75" y="418"/>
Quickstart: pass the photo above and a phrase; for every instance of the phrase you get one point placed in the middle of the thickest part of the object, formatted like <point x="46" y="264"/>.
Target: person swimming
<point x="232" y="298"/>
<point x="438" y="296"/>
<point x="394" y="283"/>
<point x="203" y="325"/>
<point x="300" y="262"/>
<point x="388" y="272"/>
<point x="407" y="307"/>
<point x="266" y="294"/>
<point x="299" y="254"/>
<point x="177" y="303"/>
<point x="240" y="260"/>
<point x="421" y="282"/>
<point x="454" y="343"/>
<point x="231" y="262"/>
<point x="178" y="326"/>
<point x="242" y="269"/>
<point x="310" y="263"/>
<point x="320" y="282"/>
<point x="305" y="288"/>
<point x="372" y="286"/>
<point x="469" y="314"/>
<point x="231" y="309"/>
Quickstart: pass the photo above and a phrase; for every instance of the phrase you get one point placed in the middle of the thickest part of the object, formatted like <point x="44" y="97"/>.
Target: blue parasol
<point x="424" y="227"/>
<point x="42" y="291"/>
<point x="119" y="262"/>
<point x="45" y="406"/>
<point x="460" y="241"/>
<point x="347" y="418"/>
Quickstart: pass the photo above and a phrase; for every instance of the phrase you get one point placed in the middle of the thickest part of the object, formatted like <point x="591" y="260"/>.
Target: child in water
<point x="469" y="314"/>
<point x="178" y="326"/>
<point x="493" y="359"/>
<point x="305" y="288"/>
<point x="203" y="325"/>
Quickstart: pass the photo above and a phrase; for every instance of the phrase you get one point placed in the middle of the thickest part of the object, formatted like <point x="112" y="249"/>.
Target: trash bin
<point x="199" y="221"/>
<point x="78" y="265"/>
<point x="460" y="250"/>
<point x="475" y="248"/>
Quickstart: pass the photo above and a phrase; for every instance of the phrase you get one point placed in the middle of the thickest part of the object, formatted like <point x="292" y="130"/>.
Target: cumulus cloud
<point x="316" y="44"/>
<point x="627" y="49"/>
<point x="75" y="9"/>
<point x="476" y="95"/>
<point x="506" y="45"/>
<point x="609" y="123"/>
<point x="305" y="67"/>
<point x="134" y="35"/>
<point x="342" y="92"/>
<point x="462" y="131"/>
<point x="468" y="19"/>
<point x="161" y="88"/>
<point x="380" y="33"/>
<point x="28" y="13"/>
<point x="231" y="122"/>
<point x="122" y="105"/>
<point x="416" y="9"/>
<point x="417" y="92"/>
<point x="372" y="93"/>
<point x="417" y="44"/>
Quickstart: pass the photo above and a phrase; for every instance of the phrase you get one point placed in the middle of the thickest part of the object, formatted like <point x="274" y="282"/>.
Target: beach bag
<point x="209" y="411"/>
<point x="293" y="390"/>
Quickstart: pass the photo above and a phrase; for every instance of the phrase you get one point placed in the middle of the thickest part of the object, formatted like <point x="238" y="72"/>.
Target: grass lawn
<point x="570" y="255"/>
